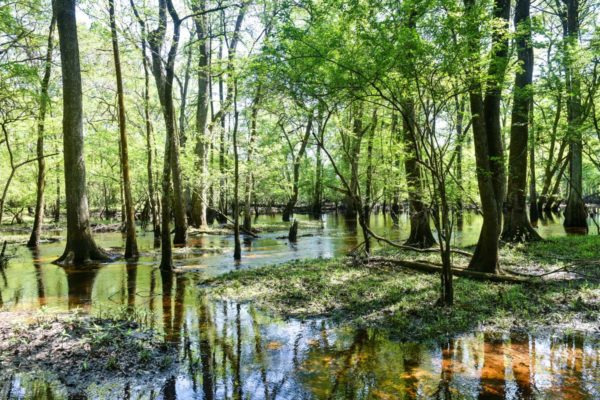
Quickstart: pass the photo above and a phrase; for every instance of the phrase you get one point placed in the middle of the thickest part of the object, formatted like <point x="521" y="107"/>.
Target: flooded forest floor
<point x="563" y="297"/>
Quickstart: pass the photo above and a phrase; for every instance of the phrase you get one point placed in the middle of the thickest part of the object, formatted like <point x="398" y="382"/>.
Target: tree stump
<point x="293" y="235"/>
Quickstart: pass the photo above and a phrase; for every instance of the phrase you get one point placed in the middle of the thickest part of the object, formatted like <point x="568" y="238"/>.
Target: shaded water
<point x="231" y="350"/>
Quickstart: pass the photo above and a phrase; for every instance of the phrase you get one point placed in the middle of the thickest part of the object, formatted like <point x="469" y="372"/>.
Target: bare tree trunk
<point x="575" y="213"/>
<point x="517" y="227"/>
<point x="57" y="203"/>
<point x="164" y="83"/>
<point x="458" y="150"/>
<point x="289" y="207"/>
<point x="352" y="145"/>
<point x="553" y="200"/>
<point x="81" y="248"/>
<point x="369" y="180"/>
<point x="420" y="230"/>
<point x="552" y="165"/>
<point x="534" y="214"/>
<point x="38" y="218"/>
<point x="397" y="137"/>
<point x="199" y="201"/>
<point x="237" y="252"/>
<point x="222" y="182"/>
<point x="149" y="147"/>
<point x="248" y="187"/>
<point x="131" y="249"/>
<point x="489" y="154"/>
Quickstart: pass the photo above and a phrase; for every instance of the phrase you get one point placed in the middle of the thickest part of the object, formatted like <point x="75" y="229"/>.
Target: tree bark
<point x="552" y="165"/>
<point x="164" y="83"/>
<point x="80" y="248"/>
<point x="237" y="252"/>
<point x="352" y="145"/>
<point x="575" y="213"/>
<point x="249" y="174"/>
<point x="534" y="214"/>
<point x="369" y="180"/>
<point x="289" y="207"/>
<point x="317" y="195"/>
<point x="199" y="201"/>
<point x="420" y="230"/>
<point x="38" y="219"/>
<point x="517" y="227"/>
<point x="488" y="138"/>
<point x="458" y="150"/>
<point x="149" y="147"/>
<point x="131" y="248"/>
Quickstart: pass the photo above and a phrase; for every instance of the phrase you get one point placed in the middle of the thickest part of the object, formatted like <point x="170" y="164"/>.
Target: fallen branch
<point x="232" y="222"/>
<point x="411" y="248"/>
<point x="431" y="268"/>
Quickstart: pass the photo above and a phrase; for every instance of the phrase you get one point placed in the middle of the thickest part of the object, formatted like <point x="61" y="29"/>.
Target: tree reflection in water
<point x="234" y="351"/>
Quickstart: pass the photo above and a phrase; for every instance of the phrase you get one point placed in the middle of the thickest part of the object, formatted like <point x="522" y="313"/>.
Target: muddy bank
<point x="80" y="351"/>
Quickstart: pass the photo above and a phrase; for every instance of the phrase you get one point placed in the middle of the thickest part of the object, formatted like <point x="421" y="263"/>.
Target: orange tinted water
<point x="229" y="350"/>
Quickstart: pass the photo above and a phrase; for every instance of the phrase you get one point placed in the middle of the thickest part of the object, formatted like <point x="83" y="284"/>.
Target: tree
<point x="485" y="121"/>
<point x="38" y="218"/>
<point x="517" y="227"/>
<point x="131" y="249"/>
<point x="164" y="79"/>
<point x="81" y="247"/>
<point x="575" y="213"/>
<point x="199" y="201"/>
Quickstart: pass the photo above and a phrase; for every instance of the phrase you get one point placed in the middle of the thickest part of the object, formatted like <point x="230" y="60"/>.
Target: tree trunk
<point x="57" y="203"/>
<point x="369" y="180"/>
<point x="534" y="214"/>
<point x="317" y="201"/>
<point x="575" y="213"/>
<point x="222" y="182"/>
<point x="237" y="252"/>
<point x="420" y="230"/>
<point x="397" y="135"/>
<point x="131" y="249"/>
<point x="488" y="139"/>
<point x="458" y="150"/>
<point x="80" y="248"/>
<point x="199" y="203"/>
<point x="289" y="207"/>
<point x="164" y="84"/>
<point x="352" y="154"/>
<point x="38" y="218"/>
<point x="553" y="200"/>
<point x="552" y="166"/>
<point x="249" y="166"/>
<point x="149" y="168"/>
<point x="517" y="227"/>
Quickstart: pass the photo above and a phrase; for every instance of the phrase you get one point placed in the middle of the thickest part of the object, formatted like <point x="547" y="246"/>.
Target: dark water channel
<point x="235" y="351"/>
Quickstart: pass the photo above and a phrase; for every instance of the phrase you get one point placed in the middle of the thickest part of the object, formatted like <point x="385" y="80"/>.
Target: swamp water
<point x="234" y="351"/>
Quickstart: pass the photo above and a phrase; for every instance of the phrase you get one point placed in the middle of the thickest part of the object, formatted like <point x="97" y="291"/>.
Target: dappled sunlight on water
<point x="234" y="351"/>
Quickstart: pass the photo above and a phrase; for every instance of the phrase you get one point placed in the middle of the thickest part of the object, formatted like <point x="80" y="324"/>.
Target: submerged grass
<point x="404" y="301"/>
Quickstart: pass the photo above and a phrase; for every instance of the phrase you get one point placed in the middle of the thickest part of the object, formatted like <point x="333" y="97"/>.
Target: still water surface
<point x="235" y="351"/>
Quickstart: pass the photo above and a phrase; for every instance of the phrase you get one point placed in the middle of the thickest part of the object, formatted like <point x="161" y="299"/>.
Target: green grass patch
<point x="404" y="301"/>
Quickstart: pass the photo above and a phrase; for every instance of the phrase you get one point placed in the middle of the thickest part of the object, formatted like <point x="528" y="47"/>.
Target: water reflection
<point x="234" y="351"/>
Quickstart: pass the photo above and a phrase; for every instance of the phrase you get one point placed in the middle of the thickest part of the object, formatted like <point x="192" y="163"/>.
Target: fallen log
<point x="411" y="248"/>
<point x="431" y="268"/>
<point x="247" y="232"/>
